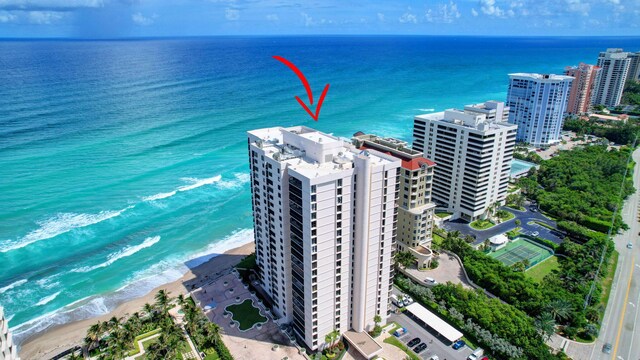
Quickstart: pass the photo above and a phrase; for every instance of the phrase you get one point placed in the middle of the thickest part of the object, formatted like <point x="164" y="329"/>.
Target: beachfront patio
<point x="265" y="339"/>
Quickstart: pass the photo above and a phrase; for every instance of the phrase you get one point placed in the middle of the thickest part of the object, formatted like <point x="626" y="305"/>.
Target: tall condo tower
<point x="585" y="79"/>
<point x="325" y="227"/>
<point x="473" y="149"/>
<point x="8" y="350"/>
<point x="634" y="66"/>
<point x="538" y="103"/>
<point x="615" y="68"/>
<point x="415" y="209"/>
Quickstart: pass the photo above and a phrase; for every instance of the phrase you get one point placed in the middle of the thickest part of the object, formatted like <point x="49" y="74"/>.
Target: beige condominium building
<point x="415" y="209"/>
<point x="8" y="350"/>
<point x="473" y="149"/>
<point x="585" y="78"/>
<point x="325" y="226"/>
<point x="615" y="65"/>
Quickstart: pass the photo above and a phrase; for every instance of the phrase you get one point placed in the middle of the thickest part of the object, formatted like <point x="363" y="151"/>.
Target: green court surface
<point x="520" y="249"/>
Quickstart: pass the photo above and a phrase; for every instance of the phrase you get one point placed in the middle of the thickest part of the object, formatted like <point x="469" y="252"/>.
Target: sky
<point x="167" y="18"/>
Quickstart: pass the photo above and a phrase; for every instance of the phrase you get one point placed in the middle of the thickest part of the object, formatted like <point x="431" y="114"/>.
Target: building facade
<point x="473" y="149"/>
<point x="537" y="105"/>
<point x="8" y="350"/>
<point x="325" y="226"/>
<point x="615" y="68"/>
<point x="415" y="209"/>
<point x="585" y="79"/>
<point x="634" y="66"/>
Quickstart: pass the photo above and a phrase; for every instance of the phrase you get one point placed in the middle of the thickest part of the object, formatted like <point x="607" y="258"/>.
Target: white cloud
<point x="408" y="18"/>
<point x="142" y="20"/>
<point x="7" y="17"/>
<point x="381" y="17"/>
<point x="273" y="17"/>
<point x="446" y="13"/>
<point x="232" y="14"/>
<point x="474" y="12"/>
<point x="308" y="20"/>
<point x="488" y="7"/>
<point x="44" y="17"/>
<point x="578" y="6"/>
<point x="49" y="4"/>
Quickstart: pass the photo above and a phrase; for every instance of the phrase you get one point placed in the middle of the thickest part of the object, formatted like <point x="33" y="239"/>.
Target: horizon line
<point x="159" y="37"/>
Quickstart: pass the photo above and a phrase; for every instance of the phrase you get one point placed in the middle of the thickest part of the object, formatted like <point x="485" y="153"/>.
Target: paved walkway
<point x="243" y="345"/>
<point x="142" y="349"/>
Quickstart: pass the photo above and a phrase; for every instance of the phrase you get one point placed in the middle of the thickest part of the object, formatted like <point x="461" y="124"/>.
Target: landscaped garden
<point x="443" y="214"/>
<point x="482" y="224"/>
<point x="246" y="315"/>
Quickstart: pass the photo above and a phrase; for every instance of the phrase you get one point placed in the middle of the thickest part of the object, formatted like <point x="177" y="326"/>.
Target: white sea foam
<point x="142" y="282"/>
<point x="240" y="180"/>
<point x="127" y="251"/>
<point x="12" y="285"/>
<point x="159" y="196"/>
<point x="8" y="319"/>
<point x="58" y="225"/>
<point x="46" y="282"/>
<point x="48" y="299"/>
<point x="429" y="109"/>
<point x="196" y="183"/>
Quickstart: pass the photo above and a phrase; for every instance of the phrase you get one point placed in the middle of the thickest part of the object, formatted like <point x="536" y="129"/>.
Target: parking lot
<point x="435" y="344"/>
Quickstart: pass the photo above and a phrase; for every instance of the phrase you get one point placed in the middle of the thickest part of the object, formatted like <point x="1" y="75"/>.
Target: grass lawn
<point x="136" y="349"/>
<point x="538" y="272"/>
<point x="443" y="214"/>
<point x="394" y="328"/>
<point x="508" y="217"/>
<point x="397" y="343"/>
<point x="481" y="224"/>
<point x="246" y="314"/>
<point x="437" y="240"/>
<point x="212" y="355"/>
<point x="606" y="283"/>
<point x="515" y="207"/>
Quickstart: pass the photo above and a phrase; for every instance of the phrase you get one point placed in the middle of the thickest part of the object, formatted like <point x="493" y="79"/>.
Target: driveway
<point x="449" y="270"/>
<point x="525" y="218"/>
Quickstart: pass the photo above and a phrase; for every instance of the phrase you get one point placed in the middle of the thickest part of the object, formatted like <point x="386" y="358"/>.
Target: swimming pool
<point x="519" y="167"/>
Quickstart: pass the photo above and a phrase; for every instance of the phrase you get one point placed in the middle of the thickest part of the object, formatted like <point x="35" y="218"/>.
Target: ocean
<point x="122" y="160"/>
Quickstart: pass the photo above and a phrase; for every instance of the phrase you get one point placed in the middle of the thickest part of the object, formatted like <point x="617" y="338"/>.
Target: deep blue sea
<point x="122" y="160"/>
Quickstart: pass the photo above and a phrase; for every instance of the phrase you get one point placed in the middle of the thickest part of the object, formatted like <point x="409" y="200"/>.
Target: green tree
<point x="559" y="309"/>
<point x="518" y="222"/>
<point x="404" y="258"/>
<point x="545" y="325"/>
<point x="162" y="300"/>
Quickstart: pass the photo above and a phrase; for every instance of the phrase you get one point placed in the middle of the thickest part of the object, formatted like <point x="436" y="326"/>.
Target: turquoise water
<point x="122" y="160"/>
<point x="520" y="166"/>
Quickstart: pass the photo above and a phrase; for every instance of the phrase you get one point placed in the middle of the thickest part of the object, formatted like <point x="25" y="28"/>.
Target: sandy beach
<point x="57" y="339"/>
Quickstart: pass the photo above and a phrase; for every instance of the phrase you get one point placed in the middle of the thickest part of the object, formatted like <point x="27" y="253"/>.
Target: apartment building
<point x="415" y="209"/>
<point x="538" y="103"/>
<point x="585" y="79"/>
<point x="615" y="65"/>
<point x="8" y="350"/>
<point x="473" y="149"/>
<point x="634" y="66"/>
<point x="325" y="225"/>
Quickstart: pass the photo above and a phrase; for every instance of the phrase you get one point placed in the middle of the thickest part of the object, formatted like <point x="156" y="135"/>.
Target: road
<point x="620" y="323"/>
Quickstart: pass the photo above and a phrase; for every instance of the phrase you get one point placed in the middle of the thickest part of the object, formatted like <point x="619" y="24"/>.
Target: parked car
<point x="408" y="300"/>
<point x="629" y="246"/>
<point x="472" y="357"/>
<point x="399" y="332"/>
<point x="420" y="348"/>
<point x="606" y="348"/>
<point x="535" y="233"/>
<point x="395" y="301"/>
<point x="414" y="342"/>
<point x="430" y="281"/>
<point x="458" y="344"/>
<point x="434" y="357"/>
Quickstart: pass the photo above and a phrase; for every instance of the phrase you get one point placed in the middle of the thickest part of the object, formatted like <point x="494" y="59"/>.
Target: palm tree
<point x="560" y="309"/>
<point x="377" y="319"/>
<point x="331" y="337"/>
<point x="181" y="300"/>
<point x="94" y="333"/>
<point x="404" y="258"/>
<point x="545" y="325"/>
<point x="452" y="235"/>
<point x="162" y="300"/>
<point x="469" y="239"/>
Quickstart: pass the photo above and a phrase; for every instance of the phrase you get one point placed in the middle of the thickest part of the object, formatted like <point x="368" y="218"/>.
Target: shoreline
<point x="57" y="339"/>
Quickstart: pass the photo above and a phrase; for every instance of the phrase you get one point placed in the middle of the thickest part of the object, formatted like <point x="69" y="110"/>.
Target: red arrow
<point x="300" y="75"/>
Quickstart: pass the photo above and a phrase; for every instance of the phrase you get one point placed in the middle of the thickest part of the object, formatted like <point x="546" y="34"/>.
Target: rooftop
<point x="470" y="120"/>
<point x="541" y="77"/>
<point x="365" y="344"/>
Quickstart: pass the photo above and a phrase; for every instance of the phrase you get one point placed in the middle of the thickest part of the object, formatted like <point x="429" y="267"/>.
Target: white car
<point x="535" y="233"/>
<point x="434" y="357"/>
<point x="407" y="300"/>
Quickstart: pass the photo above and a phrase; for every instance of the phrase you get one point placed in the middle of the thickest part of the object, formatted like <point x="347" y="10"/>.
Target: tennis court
<point x="520" y="249"/>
